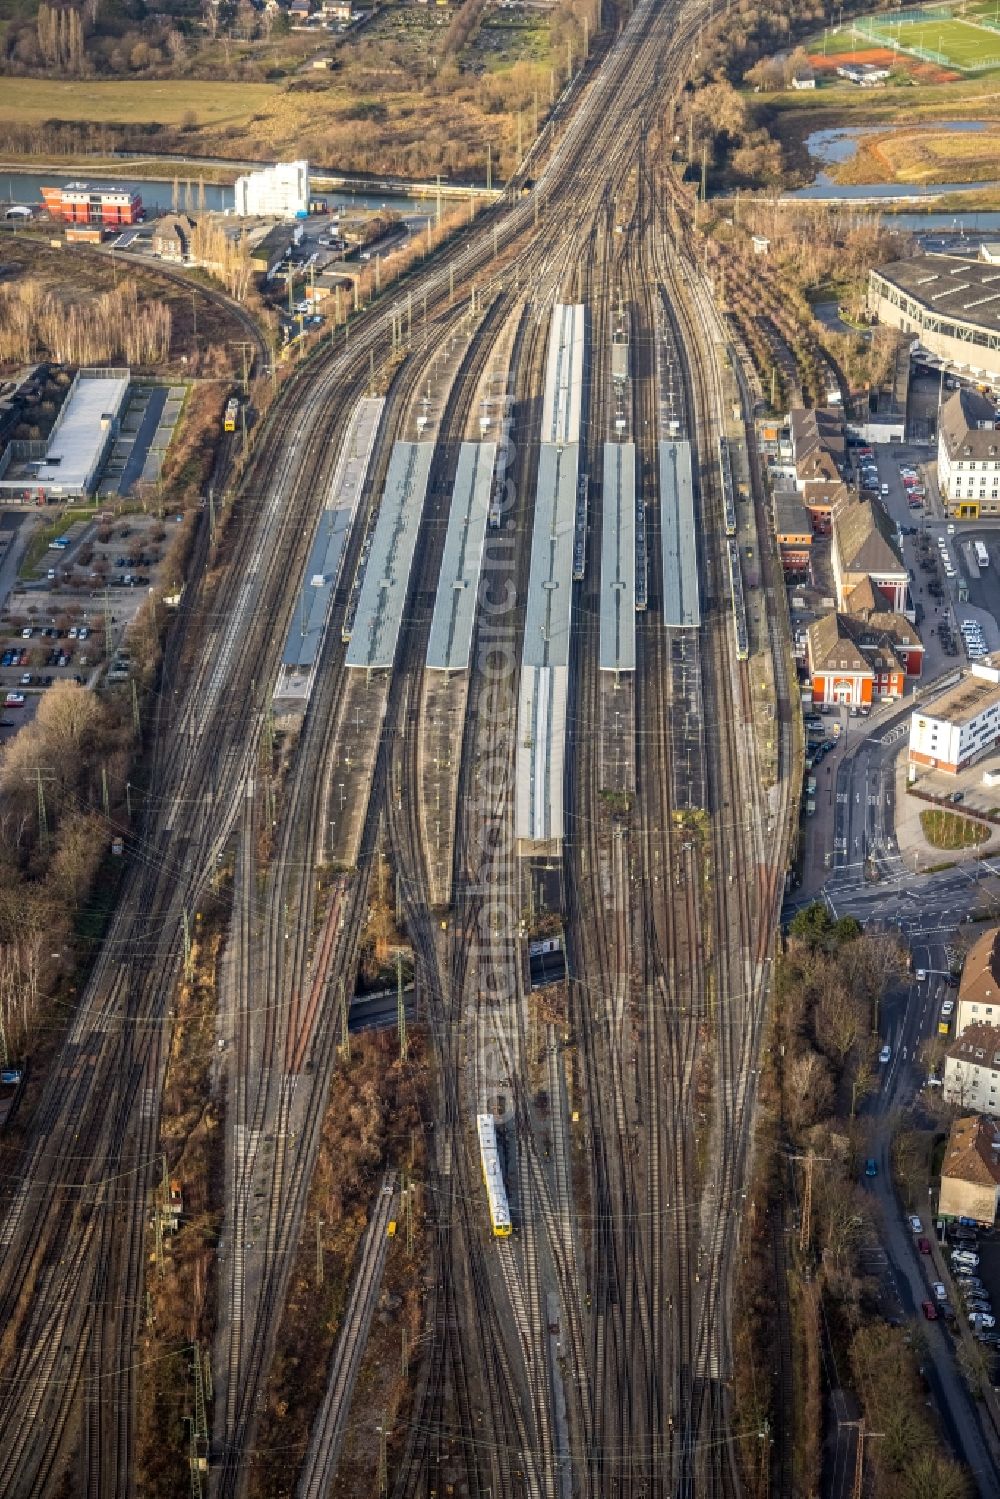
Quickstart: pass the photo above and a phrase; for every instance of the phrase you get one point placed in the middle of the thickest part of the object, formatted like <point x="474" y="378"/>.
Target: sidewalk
<point x="914" y="849"/>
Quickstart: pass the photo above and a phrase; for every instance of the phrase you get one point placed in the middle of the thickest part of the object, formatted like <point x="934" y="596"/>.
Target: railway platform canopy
<point x="379" y="615"/>
<point x="550" y="582"/>
<point x="618" y="528"/>
<point x="681" y="601"/>
<point x="310" y="620"/>
<point x="541" y="731"/>
<point x="563" y="399"/>
<point x="540" y="759"/>
<point x="449" y="646"/>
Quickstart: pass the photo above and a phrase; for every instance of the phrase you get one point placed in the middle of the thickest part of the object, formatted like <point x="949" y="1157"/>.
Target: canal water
<point x="157" y="195"/>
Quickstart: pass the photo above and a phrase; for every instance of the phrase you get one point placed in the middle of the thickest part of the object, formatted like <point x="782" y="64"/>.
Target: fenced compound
<point x="967" y="46"/>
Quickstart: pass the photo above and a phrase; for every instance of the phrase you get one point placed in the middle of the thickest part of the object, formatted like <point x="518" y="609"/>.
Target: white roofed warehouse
<point x="68" y="464"/>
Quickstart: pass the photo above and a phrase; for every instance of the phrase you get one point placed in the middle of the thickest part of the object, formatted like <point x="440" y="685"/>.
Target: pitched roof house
<point x="979" y="988"/>
<point x="970" y="1172"/>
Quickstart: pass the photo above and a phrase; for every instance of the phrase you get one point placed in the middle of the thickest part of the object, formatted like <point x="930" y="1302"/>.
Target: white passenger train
<point x="496" y="1192"/>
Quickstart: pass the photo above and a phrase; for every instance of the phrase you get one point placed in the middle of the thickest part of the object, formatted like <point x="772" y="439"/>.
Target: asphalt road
<point x="926" y="909"/>
<point x="912" y="1273"/>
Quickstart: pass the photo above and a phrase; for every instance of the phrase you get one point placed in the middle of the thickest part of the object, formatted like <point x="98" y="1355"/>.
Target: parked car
<point x="871" y="1167"/>
<point x="924" y="1245"/>
<point x="929" y="1310"/>
<point x="940" y="1294"/>
<point x="983" y="1319"/>
<point x="885" y="1054"/>
<point x="916" y="1227"/>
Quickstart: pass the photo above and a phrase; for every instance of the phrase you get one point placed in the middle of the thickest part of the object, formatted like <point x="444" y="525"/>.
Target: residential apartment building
<point x="819" y="444"/>
<point x="969" y="455"/>
<point x="972" y="1069"/>
<point x="961" y="725"/>
<point x="793" y="530"/>
<point x="970" y="1172"/>
<point x="822" y="497"/>
<point x="979" y="989"/>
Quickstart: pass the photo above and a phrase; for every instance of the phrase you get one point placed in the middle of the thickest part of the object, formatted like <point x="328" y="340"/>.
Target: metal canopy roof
<point x="564" y="375"/>
<point x="308" y="625"/>
<point x="618" y="558"/>
<point x="681" y="605"/>
<point x="449" y="647"/>
<point x="550" y="583"/>
<point x="387" y="574"/>
<point x="541" y="746"/>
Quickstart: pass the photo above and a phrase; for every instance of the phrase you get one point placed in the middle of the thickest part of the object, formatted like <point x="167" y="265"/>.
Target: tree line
<point x="36" y="322"/>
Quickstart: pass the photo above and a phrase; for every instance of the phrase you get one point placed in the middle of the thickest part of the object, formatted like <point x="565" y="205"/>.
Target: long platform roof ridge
<point x="387" y="574"/>
<point x="563" y="399"/>
<point x="681" y="601"/>
<point x="449" y="647"/>
<point x="541" y="744"/>
<point x="617" y="651"/>
<point x="309" y="621"/>
<point x="550" y="582"/>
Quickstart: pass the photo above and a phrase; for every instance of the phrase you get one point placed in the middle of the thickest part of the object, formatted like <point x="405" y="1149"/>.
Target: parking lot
<point x="82" y="592"/>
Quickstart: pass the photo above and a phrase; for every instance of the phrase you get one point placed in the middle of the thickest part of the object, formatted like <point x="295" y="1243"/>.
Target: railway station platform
<point x="379" y="614"/>
<point x="681" y="598"/>
<point x="618" y="533"/>
<point x="309" y="623"/>
<point x="449" y="646"/>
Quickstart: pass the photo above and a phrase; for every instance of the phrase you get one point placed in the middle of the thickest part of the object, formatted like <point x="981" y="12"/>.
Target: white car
<point x="885" y="1054"/>
<point x="940" y="1294"/>
<point x="947" y="1008"/>
<point x="916" y="1226"/>
<point x="921" y="975"/>
<point x="983" y="1319"/>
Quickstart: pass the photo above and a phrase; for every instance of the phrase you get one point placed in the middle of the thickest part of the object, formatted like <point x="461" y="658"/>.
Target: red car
<point x="924" y="1245"/>
<point x="929" y="1310"/>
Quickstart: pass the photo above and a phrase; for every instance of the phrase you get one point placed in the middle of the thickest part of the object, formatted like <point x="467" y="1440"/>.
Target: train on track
<point x="728" y="497"/>
<point x="496" y="1192"/>
<point x="580" y="531"/>
<point x="739" y="603"/>
<point x="232" y="412"/>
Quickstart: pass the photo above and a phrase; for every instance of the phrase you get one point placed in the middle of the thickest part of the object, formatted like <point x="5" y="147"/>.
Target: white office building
<point x="961" y="725"/>
<point x="281" y="192"/>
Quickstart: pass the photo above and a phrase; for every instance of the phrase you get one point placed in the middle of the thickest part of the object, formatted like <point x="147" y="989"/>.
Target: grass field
<point x="384" y="109"/>
<point x="959" y="43"/>
<point x="30" y="101"/>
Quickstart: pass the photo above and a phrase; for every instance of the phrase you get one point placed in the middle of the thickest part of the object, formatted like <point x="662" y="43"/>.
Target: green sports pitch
<point x="958" y="44"/>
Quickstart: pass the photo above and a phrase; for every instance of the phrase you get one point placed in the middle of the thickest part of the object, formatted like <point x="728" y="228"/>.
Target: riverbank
<point x="222" y="173"/>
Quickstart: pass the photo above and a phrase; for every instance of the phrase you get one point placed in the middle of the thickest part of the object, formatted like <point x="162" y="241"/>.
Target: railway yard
<point x="483" y="572"/>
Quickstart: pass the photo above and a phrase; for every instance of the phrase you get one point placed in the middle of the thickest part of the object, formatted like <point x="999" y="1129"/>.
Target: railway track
<point x="649" y="913"/>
